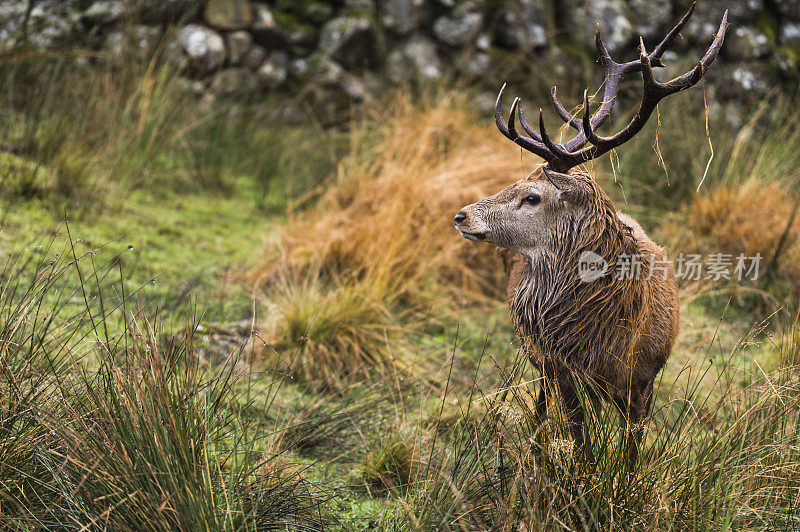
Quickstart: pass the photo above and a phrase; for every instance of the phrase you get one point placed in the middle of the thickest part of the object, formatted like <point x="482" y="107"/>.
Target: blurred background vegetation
<point x="233" y="297"/>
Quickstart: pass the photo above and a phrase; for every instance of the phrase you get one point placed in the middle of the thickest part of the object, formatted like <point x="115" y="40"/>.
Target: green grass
<point x="185" y="245"/>
<point x="380" y="390"/>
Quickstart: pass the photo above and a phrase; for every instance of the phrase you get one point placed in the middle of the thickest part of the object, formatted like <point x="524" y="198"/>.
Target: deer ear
<point x="569" y="188"/>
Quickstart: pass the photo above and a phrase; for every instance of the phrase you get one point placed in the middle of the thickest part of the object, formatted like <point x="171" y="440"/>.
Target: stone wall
<point x="349" y="48"/>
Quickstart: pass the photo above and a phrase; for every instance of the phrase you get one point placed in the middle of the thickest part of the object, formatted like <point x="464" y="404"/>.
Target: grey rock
<point x="417" y="59"/>
<point x="400" y="16"/>
<point x="459" y="28"/>
<point x="176" y="57"/>
<point x="483" y="42"/>
<point x="264" y="28"/>
<point x="705" y="22"/>
<point x="318" y="13"/>
<point x="262" y="18"/>
<point x="398" y="67"/>
<point x="190" y="86"/>
<point x="145" y="38"/>
<point x="350" y="41"/>
<point x="789" y="9"/>
<point x="272" y="74"/>
<point x="51" y="23"/>
<point x="749" y="80"/>
<point x="298" y="67"/>
<point x="104" y="12"/>
<point x="738" y="10"/>
<point x="268" y="33"/>
<point x="163" y="11"/>
<point x="352" y="87"/>
<point x="139" y="40"/>
<point x="651" y="18"/>
<point x="790" y="34"/>
<point x="747" y="43"/>
<point x="364" y="5"/>
<point x="255" y="57"/>
<point x="234" y="81"/>
<point x="203" y="46"/>
<point x="474" y="65"/>
<point x="522" y="25"/>
<point x="228" y="14"/>
<point x="117" y="44"/>
<point x="783" y="61"/>
<point x="325" y="71"/>
<point x="12" y="15"/>
<point x="613" y="17"/>
<point x="238" y="43"/>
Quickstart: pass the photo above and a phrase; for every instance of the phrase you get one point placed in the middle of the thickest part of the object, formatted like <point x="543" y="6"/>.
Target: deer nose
<point x="460" y="217"/>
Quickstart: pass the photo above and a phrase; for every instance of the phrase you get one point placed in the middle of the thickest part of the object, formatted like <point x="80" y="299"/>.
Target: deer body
<point x="620" y="333"/>
<point x="611" y="333"/>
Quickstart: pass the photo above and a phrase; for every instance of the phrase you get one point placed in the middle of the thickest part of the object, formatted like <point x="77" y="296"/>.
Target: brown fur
<point x="613" y="334"/>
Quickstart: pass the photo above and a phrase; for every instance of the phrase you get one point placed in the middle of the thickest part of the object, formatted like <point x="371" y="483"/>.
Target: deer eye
<point x="533" y="199"/>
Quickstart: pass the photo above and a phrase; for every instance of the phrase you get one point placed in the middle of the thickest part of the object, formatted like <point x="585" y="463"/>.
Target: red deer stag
<point x="607" y="331"/>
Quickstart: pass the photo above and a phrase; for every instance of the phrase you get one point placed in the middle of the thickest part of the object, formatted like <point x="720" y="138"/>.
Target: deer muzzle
<point x="470" y="226"/>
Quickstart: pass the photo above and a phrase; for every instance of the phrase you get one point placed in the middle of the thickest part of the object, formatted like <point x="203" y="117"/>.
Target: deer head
<point x="533" y="213"/>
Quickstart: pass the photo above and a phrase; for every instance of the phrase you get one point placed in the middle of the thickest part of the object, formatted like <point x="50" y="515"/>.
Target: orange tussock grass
<point x="390" y="206"/>
<point x="380" y="244"/>
<point x="748" y="218"/>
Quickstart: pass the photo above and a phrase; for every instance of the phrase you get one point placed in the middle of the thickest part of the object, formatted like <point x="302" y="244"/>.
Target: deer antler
<point x="562" y="157"/>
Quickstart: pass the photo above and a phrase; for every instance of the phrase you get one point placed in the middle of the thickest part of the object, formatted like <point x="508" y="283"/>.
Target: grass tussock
<point x="322" y="324"/>
<point x="391" y="466"/>
<point x="750" y="218"/>
<point x="108" y="421"/>
<point x="381" y="237"/>
<point x="749" y="204"/>
<point x="708" y="463"/>
<point x="389" y="204"/>
<point x="151" y="443"/>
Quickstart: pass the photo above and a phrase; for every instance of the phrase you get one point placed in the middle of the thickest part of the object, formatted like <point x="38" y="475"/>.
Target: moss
<point x="767" y="25"/>
<point x="297" y="12"/>
<point x="290" y="22"/>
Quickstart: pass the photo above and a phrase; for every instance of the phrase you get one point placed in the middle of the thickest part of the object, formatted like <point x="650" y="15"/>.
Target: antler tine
<point x="498" y="114"/>
<point x="562" y="111"/>
<point x="526" y="126"/>
<point x="690" y="78"/>
<point x="562" y="157"/>
<point x="602" y="51"/>
<point x="556" y="149"/>
<point x="510" y="132"/>
<point x="591" y="136"/>
<point x="649" y="80"/>
<point x="511" y="126"/>
<point x="662" y="46"/>
<point x="653" y="92"/>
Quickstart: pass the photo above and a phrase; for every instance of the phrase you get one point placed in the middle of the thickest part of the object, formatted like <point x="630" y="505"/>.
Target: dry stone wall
<point x="347" y="49"/>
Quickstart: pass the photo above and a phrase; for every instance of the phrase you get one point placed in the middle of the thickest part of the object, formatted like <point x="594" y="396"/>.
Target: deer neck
<point x="555" y="311"/>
